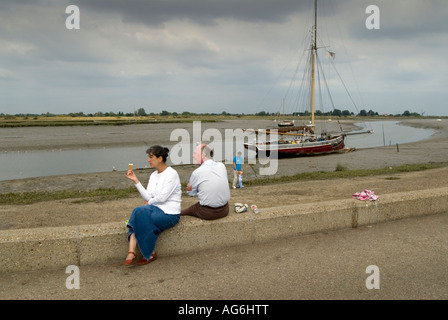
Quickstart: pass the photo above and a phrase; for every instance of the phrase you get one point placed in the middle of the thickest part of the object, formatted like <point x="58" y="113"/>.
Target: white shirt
<point x="163" y="191"/>
<point x="209" y="182"/>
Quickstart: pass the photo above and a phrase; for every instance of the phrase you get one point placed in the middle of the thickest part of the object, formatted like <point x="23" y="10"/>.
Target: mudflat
<point x="75" y="212"/>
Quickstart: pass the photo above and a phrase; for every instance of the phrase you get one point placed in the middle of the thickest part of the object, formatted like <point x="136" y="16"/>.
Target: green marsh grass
<point x="110" y="194"/>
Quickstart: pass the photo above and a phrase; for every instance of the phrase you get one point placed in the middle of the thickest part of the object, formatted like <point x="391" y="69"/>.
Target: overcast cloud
<point x="215" y="55"/>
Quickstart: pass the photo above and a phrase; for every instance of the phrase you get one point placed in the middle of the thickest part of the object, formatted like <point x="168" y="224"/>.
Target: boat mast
<point x="313" y="58"/>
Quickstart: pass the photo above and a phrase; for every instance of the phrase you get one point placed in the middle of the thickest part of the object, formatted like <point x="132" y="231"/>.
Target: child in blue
<point x="240" y="181"/>
<point x="238" y="171"/>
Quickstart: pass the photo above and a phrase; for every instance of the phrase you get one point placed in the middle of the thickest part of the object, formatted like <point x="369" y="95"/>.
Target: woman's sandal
<point x="128" y="262"/>
<point x="143" y="261"/>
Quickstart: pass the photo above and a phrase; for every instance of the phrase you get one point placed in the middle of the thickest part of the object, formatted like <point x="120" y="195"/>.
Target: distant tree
<point x="345" y="113"/>
<point x="164" y="113"/>
<point x="141" y="112"/>
<point x="407" y="113"/>
<point x="337" y="113"/>
<point x="77" y="114"/>
<point x="363" y="113"/>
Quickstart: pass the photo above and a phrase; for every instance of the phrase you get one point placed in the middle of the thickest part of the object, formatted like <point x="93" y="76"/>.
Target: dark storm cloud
<point x="209" y="53"/>
<point x="156" y="12"/>
<point x="403" y="20"/>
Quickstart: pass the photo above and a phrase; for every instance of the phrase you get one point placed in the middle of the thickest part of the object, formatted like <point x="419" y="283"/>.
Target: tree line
<point x="344" y="113"/>
<point x="141" y="112"/>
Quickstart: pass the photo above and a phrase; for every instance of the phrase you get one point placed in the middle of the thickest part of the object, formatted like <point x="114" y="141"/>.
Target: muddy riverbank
<point x="73" y="212"/>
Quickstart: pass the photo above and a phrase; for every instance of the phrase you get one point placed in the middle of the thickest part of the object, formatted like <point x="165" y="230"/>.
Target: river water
<point x="27" y="164"/>
<point x="386" y="133"/>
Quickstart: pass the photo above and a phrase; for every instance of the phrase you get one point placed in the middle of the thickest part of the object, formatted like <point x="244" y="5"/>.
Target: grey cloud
<point x="156" y="12"/>
<point x="177" y="53"/>
<point x="404" y="20"/>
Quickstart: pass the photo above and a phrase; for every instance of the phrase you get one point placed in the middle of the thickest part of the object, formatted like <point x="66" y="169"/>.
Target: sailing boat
<point x="302" y="140"/>
<point x="285" y="123"/>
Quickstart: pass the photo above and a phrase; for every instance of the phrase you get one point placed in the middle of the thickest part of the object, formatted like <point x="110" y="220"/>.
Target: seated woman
<point x="162" y="209"/>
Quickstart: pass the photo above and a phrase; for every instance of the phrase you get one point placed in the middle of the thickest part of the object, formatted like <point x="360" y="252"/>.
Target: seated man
<point x="210" y="184"/>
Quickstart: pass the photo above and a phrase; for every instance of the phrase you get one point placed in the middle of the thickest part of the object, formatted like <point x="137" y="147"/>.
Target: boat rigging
<point x="302" y="140"/>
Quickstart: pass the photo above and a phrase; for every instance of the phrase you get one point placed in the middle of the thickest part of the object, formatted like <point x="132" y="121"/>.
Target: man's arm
<point x="192" y="186"/>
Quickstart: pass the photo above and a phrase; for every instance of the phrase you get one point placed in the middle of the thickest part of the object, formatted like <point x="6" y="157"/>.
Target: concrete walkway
<point x="46" y="248"/>
<point x="410" y="256"/>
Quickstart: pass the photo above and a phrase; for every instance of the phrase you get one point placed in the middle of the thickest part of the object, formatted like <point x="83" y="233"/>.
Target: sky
<point x="211" y="56"/>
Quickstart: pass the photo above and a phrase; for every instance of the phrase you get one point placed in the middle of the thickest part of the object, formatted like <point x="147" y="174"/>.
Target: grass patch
<point x="343" y="173"/>
<point x="340" y="167"/>
<point x="110" y="194"/>
<point x="98" y="195"/>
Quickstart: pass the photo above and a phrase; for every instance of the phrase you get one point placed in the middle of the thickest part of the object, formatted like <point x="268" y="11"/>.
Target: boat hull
<point x="299" y="149"/>
<point x="285" y="124"/>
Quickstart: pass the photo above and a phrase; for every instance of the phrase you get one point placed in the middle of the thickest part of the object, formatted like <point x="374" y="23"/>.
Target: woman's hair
<point x="158" y="151"/>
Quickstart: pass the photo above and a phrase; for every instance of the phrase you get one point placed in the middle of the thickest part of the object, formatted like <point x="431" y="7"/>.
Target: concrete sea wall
<point x="46" y="248"/>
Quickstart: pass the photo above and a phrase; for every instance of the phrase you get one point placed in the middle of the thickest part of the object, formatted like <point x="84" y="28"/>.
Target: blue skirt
<point x="147" y="222"/>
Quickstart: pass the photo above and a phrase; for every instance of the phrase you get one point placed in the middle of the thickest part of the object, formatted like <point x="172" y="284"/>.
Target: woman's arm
<point x="165" y="189"/>
<point x="159" y="189"/>
<point x="145" y="193"/>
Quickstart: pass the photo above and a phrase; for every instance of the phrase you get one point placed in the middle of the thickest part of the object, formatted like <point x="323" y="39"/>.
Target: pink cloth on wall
<point x="365" y="195"/>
